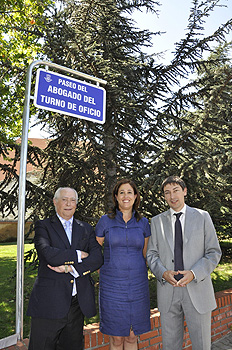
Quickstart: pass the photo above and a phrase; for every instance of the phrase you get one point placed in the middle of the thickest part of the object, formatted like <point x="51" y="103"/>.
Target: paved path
<point x="224" y="343"/>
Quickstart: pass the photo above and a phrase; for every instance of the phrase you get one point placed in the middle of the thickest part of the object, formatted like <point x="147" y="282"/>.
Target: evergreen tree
<point x="156" y="115"/>
<point x="210" y="164"/>
<point x="199" y="145"/>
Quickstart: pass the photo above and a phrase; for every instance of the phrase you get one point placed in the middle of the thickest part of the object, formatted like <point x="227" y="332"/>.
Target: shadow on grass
<point x="7" y="292"/>
<point x="8" y="296"/>
<point x="226" y="252"/>
<point x="221" y="282"/>
<point x="222" y="279"/>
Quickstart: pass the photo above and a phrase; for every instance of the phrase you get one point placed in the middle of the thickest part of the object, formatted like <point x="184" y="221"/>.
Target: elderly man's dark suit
<point x="52" y="292"/>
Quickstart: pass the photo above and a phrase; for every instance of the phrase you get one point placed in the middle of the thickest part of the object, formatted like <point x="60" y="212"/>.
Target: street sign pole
<point x="22" y="182"/>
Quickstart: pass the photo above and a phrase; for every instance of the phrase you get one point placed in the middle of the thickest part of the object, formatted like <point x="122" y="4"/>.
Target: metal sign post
<point x="92" y="94"/>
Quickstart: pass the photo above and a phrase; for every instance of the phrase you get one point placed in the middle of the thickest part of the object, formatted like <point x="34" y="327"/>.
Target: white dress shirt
<point x="182" y="220"/>
<point x="74" y="272"/>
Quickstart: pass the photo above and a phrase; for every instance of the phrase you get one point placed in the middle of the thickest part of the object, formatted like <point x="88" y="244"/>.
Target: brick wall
<point x="222" y="316"/>
<point x="221" y="325"/>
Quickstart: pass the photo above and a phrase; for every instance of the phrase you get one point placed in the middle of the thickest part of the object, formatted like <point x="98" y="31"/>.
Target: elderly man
<point x="63" y="292"/>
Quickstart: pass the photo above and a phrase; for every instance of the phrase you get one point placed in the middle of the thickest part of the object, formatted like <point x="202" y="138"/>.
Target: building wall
<point x="8" y="231"/>
<point x="40" y="143"/>
<point x="8" y="222"/>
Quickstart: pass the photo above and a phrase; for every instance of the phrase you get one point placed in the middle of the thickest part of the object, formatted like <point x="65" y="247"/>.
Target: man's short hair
<point x="57" y="193"/>
<point x="173" y="180"/>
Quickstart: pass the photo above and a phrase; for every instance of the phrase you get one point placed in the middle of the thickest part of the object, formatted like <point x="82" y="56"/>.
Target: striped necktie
<point x="68" y="231"/>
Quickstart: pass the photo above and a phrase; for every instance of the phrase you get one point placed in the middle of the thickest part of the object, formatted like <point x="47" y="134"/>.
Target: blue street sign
<point x="59" y="93"/>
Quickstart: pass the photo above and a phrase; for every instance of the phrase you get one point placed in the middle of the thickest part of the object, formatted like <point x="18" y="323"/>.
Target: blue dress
<point x="124" y="300"/>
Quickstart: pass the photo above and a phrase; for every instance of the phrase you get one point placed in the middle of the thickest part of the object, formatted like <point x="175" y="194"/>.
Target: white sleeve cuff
<point x="79" y="256"/>
<point x="74" y="272"/>
<point x="193" y="275"/>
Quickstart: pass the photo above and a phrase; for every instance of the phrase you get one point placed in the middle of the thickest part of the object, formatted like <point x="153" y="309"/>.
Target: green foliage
<point x="222" y="277"/>
<point x="160" y="119"/>
<point x="203" y="146"/>
<point x="21" y="30"/>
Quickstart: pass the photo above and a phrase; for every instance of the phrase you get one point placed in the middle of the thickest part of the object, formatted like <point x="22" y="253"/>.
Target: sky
<point x="173" y="20"/>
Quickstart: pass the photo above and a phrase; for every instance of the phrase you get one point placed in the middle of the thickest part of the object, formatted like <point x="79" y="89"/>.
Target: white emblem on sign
<point x="48" y="78"/>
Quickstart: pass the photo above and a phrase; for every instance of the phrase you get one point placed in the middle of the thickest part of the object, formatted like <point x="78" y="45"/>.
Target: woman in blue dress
<point x="124" y="300"/>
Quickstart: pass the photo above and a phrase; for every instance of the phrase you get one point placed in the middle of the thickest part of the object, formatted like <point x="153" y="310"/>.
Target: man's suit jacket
<point x="201" y="254"/>
<point x="52" y="292"/>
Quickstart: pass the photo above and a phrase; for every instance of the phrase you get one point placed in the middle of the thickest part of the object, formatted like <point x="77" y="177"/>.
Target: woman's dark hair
<point x="112" y="211"/>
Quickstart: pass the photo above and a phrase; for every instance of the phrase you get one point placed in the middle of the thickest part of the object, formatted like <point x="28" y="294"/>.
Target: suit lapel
<point x="77" y="233"/>
<point x="167" y="229"/>
<point x="58" y="227"/>
<point x="189" y="223"/>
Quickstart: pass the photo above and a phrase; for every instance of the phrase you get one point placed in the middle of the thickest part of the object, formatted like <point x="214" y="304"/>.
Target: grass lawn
<point x="8" y="261"/>
<point x="222" y="279"/>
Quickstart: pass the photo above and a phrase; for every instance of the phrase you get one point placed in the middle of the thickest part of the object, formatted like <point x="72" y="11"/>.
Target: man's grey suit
<point x="201" y="254"/>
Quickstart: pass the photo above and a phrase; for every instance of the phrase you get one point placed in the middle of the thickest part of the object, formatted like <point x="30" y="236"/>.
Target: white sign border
<point x="64" y="112"/>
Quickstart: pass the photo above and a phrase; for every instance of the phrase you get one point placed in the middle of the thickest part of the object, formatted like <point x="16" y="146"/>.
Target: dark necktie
<point x="178" y="247"/>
